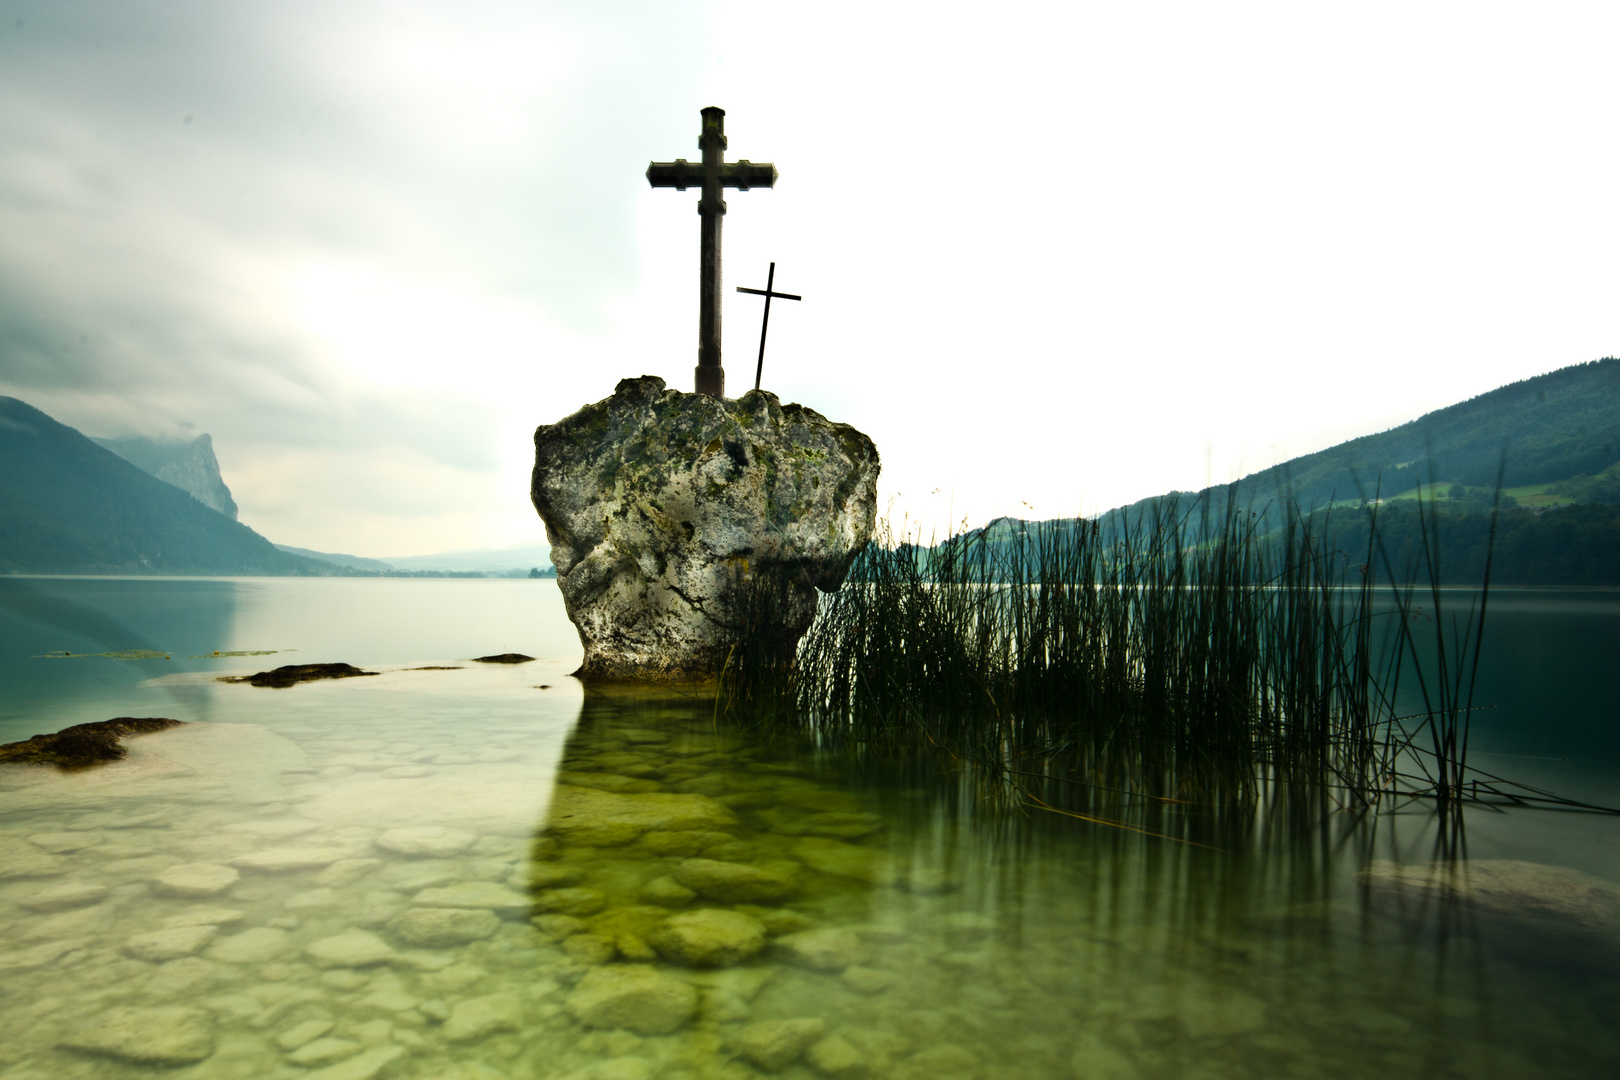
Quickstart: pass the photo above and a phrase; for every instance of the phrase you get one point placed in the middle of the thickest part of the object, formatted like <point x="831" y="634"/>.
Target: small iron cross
<point x="766" y="324"/>
<point x="713" y="175"/>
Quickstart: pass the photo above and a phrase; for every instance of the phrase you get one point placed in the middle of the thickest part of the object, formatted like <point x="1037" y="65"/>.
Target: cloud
<point x="287" y="223"/>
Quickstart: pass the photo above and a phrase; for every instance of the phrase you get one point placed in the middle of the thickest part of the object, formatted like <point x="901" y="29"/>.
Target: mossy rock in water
<point x="675" y="519"/>
<point x="503" y="658"/>
<point x="292" y="674"/>
<point x="83" y="745"/>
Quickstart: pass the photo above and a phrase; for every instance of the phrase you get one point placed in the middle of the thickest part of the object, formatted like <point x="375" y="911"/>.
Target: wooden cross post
<point x="713" y="175"/>
<point x="770" y="280"/>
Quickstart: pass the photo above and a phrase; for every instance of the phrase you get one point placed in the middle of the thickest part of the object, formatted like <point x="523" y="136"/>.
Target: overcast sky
<point x="1055" y="256"/>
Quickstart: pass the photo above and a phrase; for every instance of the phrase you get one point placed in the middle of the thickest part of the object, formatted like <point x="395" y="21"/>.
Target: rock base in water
<point x="292" y="674"/>
<point x="675" y="519"/>
<point x="83" y="745"/>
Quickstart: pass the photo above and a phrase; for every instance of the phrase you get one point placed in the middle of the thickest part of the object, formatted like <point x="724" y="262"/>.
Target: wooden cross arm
<point x="683" y="174"/>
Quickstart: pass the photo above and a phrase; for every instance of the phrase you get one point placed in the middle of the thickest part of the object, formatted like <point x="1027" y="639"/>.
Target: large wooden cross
<point x="714" y="174"/>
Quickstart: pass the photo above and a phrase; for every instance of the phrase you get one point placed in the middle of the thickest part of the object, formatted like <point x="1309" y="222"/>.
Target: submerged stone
<point x="708" y="938"/>
<point x="634" y="997"/>
<point x="665" y="510"/>
<point x="439" y="928"/>
<point x="83" y="745"/>
<point x="477" y="1017"/>
<point x="734" y="883"/>
<point x="167" y="1035"/>
<point x="63" y="897"/>
<point x="171" y="944"/>
<point x="821" y="950"/>
<point x="197" y="879"/>
<point x="421" y="841"/>
<point x="773" y="1045"/>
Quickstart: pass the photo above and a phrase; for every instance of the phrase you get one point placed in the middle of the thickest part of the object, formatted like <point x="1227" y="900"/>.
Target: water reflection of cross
<point x="766" y="324"/>
<point x="713" y="175"/>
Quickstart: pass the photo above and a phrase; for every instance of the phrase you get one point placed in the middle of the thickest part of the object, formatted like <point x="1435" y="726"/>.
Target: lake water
<point x="487" y="872"/>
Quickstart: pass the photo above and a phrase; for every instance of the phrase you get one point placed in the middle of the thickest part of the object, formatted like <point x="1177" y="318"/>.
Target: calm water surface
<point x="456" y="873"/>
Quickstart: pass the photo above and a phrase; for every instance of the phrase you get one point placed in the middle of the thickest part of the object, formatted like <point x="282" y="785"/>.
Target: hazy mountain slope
<point x="1557" y="426"/>
<point x="514" y="557"/>
<point x="70" y="506"/>
<point x="189" y="466"/>
<point x="1563" y="434"/>
<point x="353" y="562"/>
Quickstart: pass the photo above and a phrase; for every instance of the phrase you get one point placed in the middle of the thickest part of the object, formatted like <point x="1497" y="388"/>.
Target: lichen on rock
<point x="666" y="511"/>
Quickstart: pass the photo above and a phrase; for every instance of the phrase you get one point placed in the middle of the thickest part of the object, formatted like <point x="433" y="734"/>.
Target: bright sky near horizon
<point x="1054" y="257"/>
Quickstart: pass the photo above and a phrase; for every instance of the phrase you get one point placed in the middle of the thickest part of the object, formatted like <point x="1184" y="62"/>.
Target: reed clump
<point x="1194" y="651"/>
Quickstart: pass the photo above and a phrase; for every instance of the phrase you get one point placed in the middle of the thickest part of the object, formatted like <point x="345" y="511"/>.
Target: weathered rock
<point x="302" y="1033"/>
<point x="865" y="980"/>
<point x="473" y="894"/>
<point x="197" y="879"/>
<point x="845" y="860"/>
<point x="20" y="859"/>
<point x="293" y="674"/>
<point x="578" y="900"/>
<point x="70" y="895"/>
<point x="604" y="819"/>
<point x="205" y="916"/>
<point x="734" y="883"/>
<point x="439" y="928"/>
<point x="255" y="945"/>
<point x="634" y="997"/>
<point x="665" y="510"/>
<point x="83" y="745"/>
<point x="352" y="948"/>
<point x="323" y="1051"/>
<point x="1550" y="896"/>
<point x="666" y="892"/>
<point x="426" y="840"/>
<point x="169" y="1035"/>
<point x="708" y="938"/>
<point x="282" y="860"/>
<point x="835" y="1056"/>
<point x="476" y="1017"/>
<point x="171" y="944"/>
<point x="773" y="1045"/>
<point x="821" y="950"/>
<point x="363" y="1066"/>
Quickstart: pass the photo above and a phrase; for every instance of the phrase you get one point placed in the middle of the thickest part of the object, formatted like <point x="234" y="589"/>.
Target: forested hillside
<point x="70" y="506"/>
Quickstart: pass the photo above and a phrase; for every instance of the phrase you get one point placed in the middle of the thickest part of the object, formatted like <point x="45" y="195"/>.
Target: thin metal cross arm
<point x="767" y="292"/>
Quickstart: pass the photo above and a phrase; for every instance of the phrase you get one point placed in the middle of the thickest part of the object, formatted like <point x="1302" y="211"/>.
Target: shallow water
<point x="455" y="873"/>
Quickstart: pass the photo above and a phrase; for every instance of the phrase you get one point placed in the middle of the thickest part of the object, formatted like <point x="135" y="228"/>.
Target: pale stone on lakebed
<point x="205" y="916"/>
<point x="474" y="1018"/>
<point x="282" y="860"/>
<point x="603" y="819"/>
<point x="255" y="945"/>
<point x="197" y="879"/>
<point x="167" y="1035"/>
<point x="635" y="997"/>
<point x="439" y="928"/>
<point x="708" y="938"/>
<point x="323" y="1051"/>
<point x="73" y="894"/>
<point x="773" y="1045"/>
<point x="473" y="894"/>
<point x="352" y="948"/>
<point x="735" y="883"/>
<point x="171" y="944"/>
<point x="427" y="841"/>
<point x="832" y="949"/>
<point x="363" y="1066"/>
